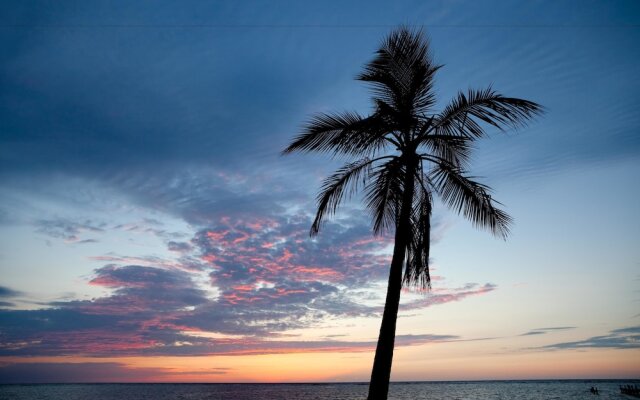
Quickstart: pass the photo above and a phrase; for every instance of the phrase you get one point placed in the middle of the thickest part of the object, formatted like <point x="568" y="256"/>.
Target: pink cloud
<point x="447" y="295"/>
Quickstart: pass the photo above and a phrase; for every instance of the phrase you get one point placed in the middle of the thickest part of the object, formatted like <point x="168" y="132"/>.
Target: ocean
<point x="507" y="390"/>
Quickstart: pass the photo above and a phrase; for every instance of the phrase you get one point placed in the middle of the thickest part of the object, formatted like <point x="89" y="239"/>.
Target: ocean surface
<point x="508" y="390"/>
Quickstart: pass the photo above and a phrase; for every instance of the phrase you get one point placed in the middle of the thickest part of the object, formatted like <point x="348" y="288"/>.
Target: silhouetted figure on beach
<point x="630" y="390"/>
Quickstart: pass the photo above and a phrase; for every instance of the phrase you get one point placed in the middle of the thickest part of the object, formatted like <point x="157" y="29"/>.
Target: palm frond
<point x="455" y="150"/>
<point x="402" y="72"/>
<point x="416" y="272"/>
<point x="462" y="117"/>
<point x="345" y="181"/>
<point x="345" y="133"/>
<point x="470" y="198"/>
<point x="383" y="195"/>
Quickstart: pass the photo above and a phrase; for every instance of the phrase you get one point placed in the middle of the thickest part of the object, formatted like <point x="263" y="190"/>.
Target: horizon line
<point x="323" y="383"/>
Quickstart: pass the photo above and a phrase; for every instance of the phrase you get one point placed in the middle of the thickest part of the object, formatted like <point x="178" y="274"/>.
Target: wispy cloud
<point x="622" y="338"/>
<point x="443" y="295"/>
<point x="6" y="292"/>
<point x="542" y="331"/>
<point x="70" y="231"/>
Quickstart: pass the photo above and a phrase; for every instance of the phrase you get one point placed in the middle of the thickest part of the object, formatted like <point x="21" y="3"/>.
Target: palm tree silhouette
<point x="405" y="154"/>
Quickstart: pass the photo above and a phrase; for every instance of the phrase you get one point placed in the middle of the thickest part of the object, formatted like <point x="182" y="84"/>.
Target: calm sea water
<point x="508" y="390"/>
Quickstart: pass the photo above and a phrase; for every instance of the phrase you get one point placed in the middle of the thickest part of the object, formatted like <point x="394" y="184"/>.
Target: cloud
<point x="623" y="338"/>
<point x="72" y="230"/>
<point x="179" y="247"/>
<point x="542" y="331"/>
<point x="84" y="372"/>
<point x="236" y="288"/>
<point x="203" y="196"/>
<point x="89" y="372"/>
<point x="630" y="330"/>
<point x="6" y="292"/>
<point x="149" y="226"/>
<point x="68" y="230"/>
<point x="446" y="295"/>
<point x="102" y="114"/>
<point x="141" y="289"/>
<point x="249" y="270"/>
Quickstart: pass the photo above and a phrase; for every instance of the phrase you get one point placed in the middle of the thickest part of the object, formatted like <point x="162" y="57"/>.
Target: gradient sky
<point x="150" y="230"/>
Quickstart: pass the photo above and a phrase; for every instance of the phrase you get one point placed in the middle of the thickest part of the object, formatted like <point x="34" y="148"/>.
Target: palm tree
<point x="405" y="154"/>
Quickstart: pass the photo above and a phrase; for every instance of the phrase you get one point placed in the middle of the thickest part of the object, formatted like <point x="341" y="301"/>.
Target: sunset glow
<point x="152" y="232"/>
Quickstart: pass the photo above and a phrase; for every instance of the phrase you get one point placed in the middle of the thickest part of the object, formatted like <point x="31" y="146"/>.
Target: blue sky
<point x="143" y="198"/>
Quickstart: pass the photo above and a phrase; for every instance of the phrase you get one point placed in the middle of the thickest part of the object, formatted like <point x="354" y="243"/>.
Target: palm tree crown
<point x="405" y="153"/>
<point x="403" y="146"/>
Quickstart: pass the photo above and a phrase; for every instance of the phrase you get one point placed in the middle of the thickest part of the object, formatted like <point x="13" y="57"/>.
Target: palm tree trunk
<point x="381" y="373"/>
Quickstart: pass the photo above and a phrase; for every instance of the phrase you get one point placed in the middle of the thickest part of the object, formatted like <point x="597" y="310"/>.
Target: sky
<point x="151" y="231"/>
